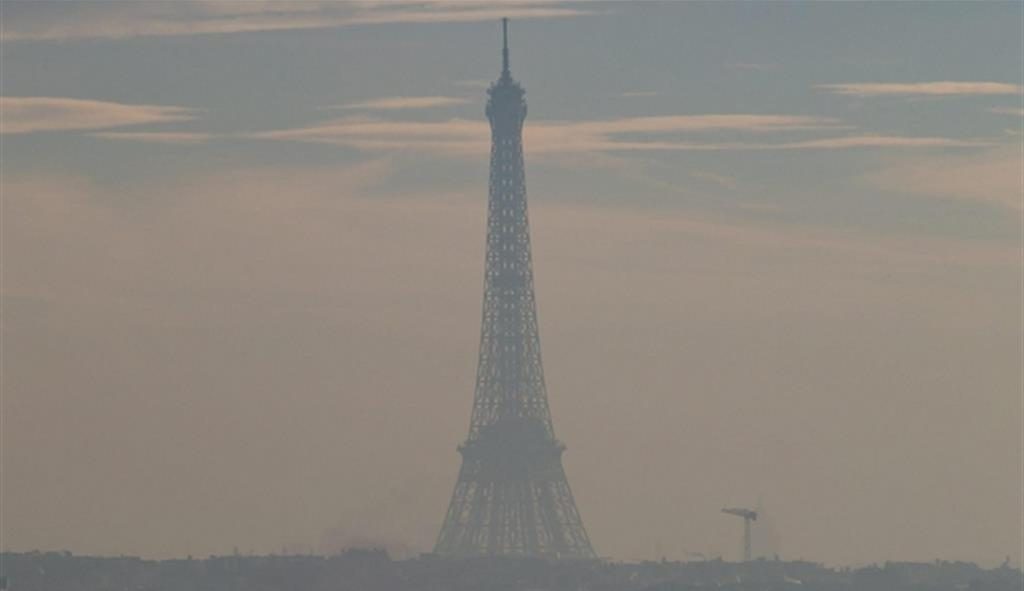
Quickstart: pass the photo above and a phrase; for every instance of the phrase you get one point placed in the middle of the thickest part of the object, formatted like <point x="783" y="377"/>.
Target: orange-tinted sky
<point x="777" y="252"/>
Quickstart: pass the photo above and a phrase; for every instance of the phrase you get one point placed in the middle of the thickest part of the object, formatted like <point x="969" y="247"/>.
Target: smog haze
<point x="776" y="250"/>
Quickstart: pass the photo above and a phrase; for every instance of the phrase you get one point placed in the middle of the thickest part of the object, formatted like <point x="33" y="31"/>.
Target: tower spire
<point x="504" y="48"/>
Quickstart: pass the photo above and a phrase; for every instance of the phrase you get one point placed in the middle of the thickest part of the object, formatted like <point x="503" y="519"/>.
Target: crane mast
<point x="748" y="515"/>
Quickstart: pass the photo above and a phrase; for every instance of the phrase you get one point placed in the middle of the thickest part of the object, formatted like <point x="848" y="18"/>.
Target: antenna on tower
<point x="504" y="47"/>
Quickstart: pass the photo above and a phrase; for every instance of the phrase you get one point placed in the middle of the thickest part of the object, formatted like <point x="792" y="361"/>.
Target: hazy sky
<point x="777" y="250"/>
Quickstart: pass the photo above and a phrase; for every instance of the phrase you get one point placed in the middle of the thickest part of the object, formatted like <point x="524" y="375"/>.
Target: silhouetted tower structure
<point x="511" y="497"/>
<point x="747" y="516"/>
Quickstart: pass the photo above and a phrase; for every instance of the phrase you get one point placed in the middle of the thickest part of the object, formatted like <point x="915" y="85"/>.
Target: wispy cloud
<point x="992" y="176"/>
<point x="447" y="12"/>
<point x="466" y="137"/>
<point x="1007" y="111"/>
<point x="405" y="102"/>
<point x="882" y="141"/>
<point x="156" y="137"/>
<point x="945" y="88"/>
<point x="35" y="113"/>
<point x="677" y="123"/>
<point x="461" y="136"/>
<point x="102" y="20"/>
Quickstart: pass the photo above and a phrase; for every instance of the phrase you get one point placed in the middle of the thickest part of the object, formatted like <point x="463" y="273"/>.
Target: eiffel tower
<point x="511" y="497"/>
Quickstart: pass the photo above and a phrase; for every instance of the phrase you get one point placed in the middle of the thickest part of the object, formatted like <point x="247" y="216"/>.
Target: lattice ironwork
<point x="511" y="496"/>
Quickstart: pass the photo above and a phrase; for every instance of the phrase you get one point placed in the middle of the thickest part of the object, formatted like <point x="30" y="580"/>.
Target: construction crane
<point x="747" y="516"/>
